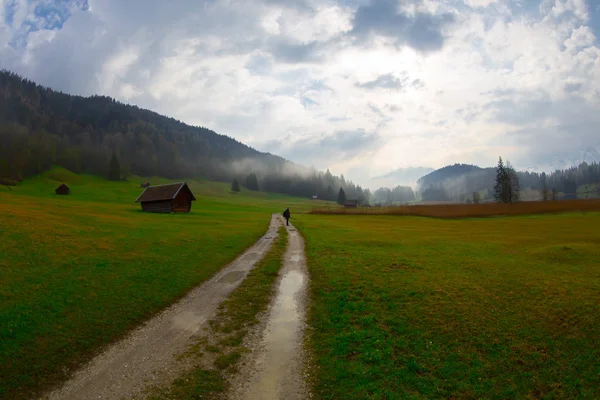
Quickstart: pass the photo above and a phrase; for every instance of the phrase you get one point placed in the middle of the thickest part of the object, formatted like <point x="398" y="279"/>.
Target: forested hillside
<point x="40" y="127"/>
<point x="458" y="182"/>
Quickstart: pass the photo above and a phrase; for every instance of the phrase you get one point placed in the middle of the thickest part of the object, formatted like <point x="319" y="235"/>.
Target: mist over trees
<point x="235" y="186"/>
<point x="341" y="199"/>
<point x="506" y="188"/>
<point x="397" y="195"/>
<point x="40" y="128"/>
<point x="458" y="183"/>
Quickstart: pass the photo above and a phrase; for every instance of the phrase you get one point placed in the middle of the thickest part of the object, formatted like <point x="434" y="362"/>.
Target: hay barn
<point x="62" y="189"/>
<point x="351" y="203"/>
<point x="174" y="197"/>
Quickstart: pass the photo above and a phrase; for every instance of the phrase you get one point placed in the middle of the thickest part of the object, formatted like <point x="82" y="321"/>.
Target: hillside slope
<point x="40" y="127"/>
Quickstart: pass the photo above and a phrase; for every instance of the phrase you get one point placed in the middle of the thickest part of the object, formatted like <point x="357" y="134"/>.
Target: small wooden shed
<point x="144" y="184"/>
<point x="351" y="203"/>
<point x="62" y="189"/>
<point x="173" y="197"/>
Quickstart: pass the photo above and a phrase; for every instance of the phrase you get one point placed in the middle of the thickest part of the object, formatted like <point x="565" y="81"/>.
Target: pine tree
<point x="500" y="185"/>
<point x="513" y="187"/>
<point x="544" y="190"/>
<point x="507" y="188"/>
<point x="114" y="171"/>
<point x="252" y="182"/>
<point x="341" y="200"/>
<point x="235" y="186"/>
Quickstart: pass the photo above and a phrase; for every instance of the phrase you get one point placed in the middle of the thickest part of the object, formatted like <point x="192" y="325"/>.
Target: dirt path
<point x="125" y="368"/>
<point x="275" y="367"/>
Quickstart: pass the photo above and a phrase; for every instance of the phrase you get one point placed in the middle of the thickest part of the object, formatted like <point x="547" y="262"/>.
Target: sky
<point x="357" y="86"/>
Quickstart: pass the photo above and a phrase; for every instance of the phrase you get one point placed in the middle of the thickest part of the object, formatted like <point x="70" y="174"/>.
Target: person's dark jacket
<point x="286" y="213"/>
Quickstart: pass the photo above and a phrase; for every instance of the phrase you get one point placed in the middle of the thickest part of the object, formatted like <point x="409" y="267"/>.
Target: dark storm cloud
<point x="421" y="31"/>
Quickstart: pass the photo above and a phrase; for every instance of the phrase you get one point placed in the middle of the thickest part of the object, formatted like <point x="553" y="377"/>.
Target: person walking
<point x="287" y="216"/>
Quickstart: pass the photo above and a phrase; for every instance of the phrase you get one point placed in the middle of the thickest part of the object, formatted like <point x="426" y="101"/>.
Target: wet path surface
<point x="275" y="369"/>
<point x="126" y="367"/>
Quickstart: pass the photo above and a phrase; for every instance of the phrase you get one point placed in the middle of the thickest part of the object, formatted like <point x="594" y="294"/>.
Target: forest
<point x="40" y="127"/>
<point x="458" y="182"/>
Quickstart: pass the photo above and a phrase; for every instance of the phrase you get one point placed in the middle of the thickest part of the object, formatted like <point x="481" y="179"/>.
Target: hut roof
<point x="351" y="203"/>
<point x="62" y="186"/>
<point x="163" y="192"/>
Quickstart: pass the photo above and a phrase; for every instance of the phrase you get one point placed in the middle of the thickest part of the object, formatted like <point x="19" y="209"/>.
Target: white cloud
<point x="287" y="77"/>
<point x="480" y="3"/>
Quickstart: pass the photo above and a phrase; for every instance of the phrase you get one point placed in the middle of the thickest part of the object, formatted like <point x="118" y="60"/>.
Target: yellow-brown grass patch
<point x="470" y="210"/>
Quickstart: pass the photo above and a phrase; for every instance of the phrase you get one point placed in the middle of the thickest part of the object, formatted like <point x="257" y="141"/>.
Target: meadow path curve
<point x="125" y="368"/>
<point x="276" y="365"/>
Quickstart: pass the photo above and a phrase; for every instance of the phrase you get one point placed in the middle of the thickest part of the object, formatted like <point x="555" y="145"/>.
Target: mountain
<point x="448" y="172"/>
<point x="40" y="127"/>
<point x="458" y="182"/>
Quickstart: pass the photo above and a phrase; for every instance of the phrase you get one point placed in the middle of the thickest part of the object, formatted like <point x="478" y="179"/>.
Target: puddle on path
<point x="278" y="364"/>
<point x="232" y="277"/>
<point x="188" y="321"/>
<point x="249" y="257"/>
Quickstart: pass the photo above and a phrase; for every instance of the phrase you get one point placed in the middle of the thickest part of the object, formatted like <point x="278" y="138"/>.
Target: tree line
<point x="460" y="183"/>
<point x="40" y="127"/>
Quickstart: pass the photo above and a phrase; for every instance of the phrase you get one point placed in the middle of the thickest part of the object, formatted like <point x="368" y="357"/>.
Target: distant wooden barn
<point x="62" y="189"/>
<point x="144" y="184"/>
<point x="351" y="203"/>
<point x="174" y="197"/>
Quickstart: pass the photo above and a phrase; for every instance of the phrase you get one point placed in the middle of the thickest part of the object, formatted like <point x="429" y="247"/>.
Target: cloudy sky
<point x="362" y="87"/>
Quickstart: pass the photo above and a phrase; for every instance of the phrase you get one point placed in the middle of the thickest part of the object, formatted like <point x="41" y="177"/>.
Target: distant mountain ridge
<point x="447" y="172"/>
<point x="458" y="182"/>
<point x="407" y="175"/>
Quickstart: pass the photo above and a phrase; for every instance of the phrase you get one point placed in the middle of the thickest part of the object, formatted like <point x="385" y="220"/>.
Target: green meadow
<point x="410" y="307"/>
<point x="77" y="272"/>
<point x="400" y="307"/>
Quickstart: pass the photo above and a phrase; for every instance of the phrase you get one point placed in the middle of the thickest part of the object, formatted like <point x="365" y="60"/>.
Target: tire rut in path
<point x="276" y="366"/>
<point x="126" y="367"/>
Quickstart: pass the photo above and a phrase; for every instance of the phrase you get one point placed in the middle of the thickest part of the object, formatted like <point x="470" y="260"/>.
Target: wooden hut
<point x="62" y="189"/>
<point x="144" y="184"/>
<point x="351" y="203"/>
<point x="173" y="197"/>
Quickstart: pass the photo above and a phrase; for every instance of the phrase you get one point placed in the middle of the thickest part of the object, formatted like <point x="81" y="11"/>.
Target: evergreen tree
<point x="544" y="190"/>
<point x="235" y="186"/>
<point x="329" y="194"/>
<point x="514" y="186"/>
<point x="507" y="188"/>
<point x="114" y="171"/>
<point x="341" y="199"/>
<point x="252" y="182"/>
<point x="500" y="184"/>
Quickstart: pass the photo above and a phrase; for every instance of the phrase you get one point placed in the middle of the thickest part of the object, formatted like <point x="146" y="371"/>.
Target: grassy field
<point x="467" y="210"/>
<point x="408" y="307"/>
<point x="79" y="271"/>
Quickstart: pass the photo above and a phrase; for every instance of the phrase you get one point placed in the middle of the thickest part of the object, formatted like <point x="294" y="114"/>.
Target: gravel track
<point x="127" y="367"/>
